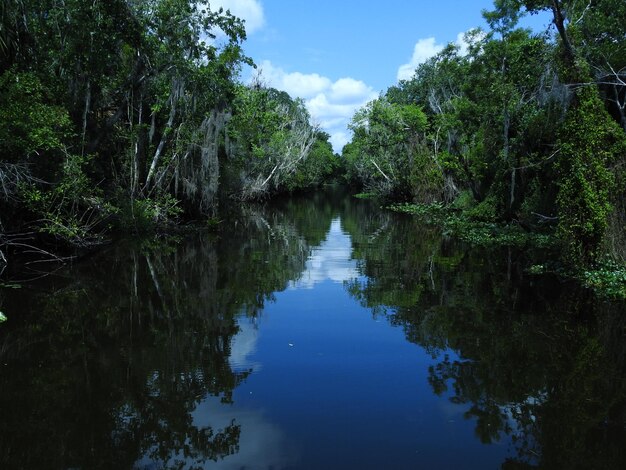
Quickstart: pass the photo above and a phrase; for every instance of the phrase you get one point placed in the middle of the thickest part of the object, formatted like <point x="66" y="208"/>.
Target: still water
<point x="320" y="332"/>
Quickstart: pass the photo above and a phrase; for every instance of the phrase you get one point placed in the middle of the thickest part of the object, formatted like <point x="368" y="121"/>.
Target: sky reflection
<point x="332" y="260"/>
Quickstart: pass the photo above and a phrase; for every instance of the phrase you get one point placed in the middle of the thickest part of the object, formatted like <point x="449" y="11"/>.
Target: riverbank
<point x="606" y="277"/>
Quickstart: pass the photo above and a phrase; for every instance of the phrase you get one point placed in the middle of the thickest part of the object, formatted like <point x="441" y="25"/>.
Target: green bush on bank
<point x="607" y="278"/>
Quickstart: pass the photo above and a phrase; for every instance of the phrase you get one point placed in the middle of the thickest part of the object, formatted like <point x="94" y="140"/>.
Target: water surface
<point x="317" y="332"/>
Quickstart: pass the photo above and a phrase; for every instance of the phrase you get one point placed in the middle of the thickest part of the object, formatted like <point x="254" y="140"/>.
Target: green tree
<point x="271" y="139"/>
<point x="389" y="152"/>
<point x="588" y="142"/>
<point x="146" y="88"/>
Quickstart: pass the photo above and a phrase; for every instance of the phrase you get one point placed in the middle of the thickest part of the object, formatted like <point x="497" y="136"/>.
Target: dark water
<point x="313" y="333"/>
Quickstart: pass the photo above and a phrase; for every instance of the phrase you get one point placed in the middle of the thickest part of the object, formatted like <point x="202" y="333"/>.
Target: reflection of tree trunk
<point x="135" y="290"/>
<point x="509" y="265"/>
<point x="155" y="280"/>
<point x="431" y="262"/>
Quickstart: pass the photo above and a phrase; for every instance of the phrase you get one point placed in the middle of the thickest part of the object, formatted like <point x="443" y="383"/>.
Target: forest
<point x="129" y="116"/>
<point x="524" y="129"/>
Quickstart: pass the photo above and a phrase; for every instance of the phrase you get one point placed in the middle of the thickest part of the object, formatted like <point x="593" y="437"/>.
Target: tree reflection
<point x="104" y="366"/>
<point x="534" y="359"/>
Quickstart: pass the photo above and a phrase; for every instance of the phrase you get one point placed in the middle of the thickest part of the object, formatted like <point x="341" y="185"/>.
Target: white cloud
<point x="339" y="139"/>
<point x="331" y="103"/>
<point x="427" y="47"/>
<point x="262" y="443"/>
<point x="330" y="113"/>
<point x="251" y="11"/>
<point x="243" y="346"/>
<point x="462" y="43"/>
<point x="424" y="49"/>
<point x="348" y="89"/>
<point x="304" y="84"/>
<point x="296" y="84"/>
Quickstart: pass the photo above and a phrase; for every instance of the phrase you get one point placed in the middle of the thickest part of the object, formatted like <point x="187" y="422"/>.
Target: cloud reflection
<point x="261" y="444"/>
<point x="331" y="261"/>
<point x="243" y="346"/>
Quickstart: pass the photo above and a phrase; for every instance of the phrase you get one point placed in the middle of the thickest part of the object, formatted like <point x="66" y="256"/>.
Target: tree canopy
<point x="130" y="114"/>
<point x="526" y="127"/>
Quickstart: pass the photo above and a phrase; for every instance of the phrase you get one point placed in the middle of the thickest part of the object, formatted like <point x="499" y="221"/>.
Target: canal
<point x="312" y="332"/>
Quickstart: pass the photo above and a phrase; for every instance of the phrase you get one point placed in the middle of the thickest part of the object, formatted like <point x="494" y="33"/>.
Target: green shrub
<point x="484" y="211"/>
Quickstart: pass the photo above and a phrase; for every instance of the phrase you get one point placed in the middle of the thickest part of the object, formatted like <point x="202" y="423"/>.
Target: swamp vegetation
<point x="129" y="116"/>
<point x="523" y="129"/>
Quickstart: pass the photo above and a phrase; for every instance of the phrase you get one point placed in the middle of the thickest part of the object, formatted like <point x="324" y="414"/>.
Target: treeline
<point x="127" y="114"/>
<point x="522" y="127"/>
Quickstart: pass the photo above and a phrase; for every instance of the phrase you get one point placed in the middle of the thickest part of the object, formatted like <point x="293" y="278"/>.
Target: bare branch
<point x="381" y="171"/>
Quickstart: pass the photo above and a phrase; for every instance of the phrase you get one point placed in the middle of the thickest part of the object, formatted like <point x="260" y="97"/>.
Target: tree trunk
<point x="86" y="113"/>
<point x="559" y="22"/>
<point x="164" y="137"/>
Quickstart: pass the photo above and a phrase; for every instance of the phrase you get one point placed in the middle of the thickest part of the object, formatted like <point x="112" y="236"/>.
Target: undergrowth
<point x="607" y="278"/>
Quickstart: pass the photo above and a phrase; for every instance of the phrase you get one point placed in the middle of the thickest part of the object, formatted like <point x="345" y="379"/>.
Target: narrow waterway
<point x="318" y="332"/>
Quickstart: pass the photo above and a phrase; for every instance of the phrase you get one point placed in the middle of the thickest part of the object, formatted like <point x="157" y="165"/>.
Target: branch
<point x="583" y="13"/>
<point x="545" y="218"/>
<point x="170" y="122"/>
<point x="381" y="171"/>
<point x="532" y="165"/>
<point x="269" y="177"/>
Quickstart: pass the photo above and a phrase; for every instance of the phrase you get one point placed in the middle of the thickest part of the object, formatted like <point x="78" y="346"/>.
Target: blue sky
<point x="339" y="54"/>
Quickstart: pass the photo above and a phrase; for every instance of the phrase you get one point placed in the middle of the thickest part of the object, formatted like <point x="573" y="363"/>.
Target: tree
<point x="146" y="88"/>
<point x="271" y="138"/>
<point x="390" y="154"/>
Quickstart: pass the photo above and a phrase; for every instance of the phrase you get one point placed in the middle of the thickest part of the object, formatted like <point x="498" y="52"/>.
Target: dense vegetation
<point x="522" y="128"/>
<point x="129" y="115"/>
<point x="125" y="114"/>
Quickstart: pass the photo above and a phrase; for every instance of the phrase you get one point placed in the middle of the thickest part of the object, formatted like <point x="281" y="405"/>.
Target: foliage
<point x="515" y="129"/>
<point x="608" y="279"/>
<point x="72" y="210"/>
<point x="474" y="228"/>
<point x="366" y="195"/>
<point x="30" y="127"/>
<point x="275" y="147"/>
<point x="589" y="143"/>
<point x="387" y="154"/>
<point x="149" y="214"/>
<point x="112" y="105"/>
<point x="129" y="115"/>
